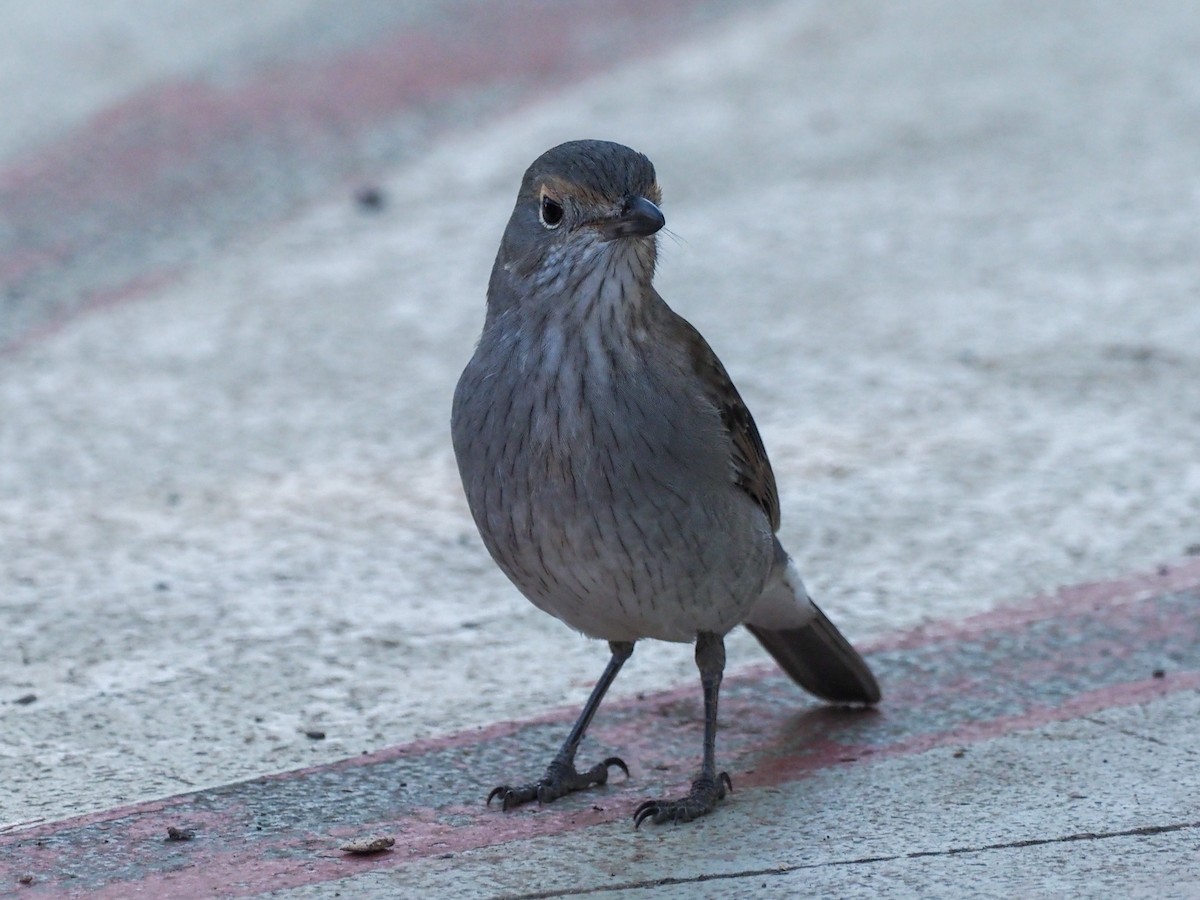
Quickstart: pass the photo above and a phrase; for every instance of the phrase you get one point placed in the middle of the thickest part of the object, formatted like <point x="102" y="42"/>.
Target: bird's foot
<point x="706" y="792"/>
<point x="561" y="778"/>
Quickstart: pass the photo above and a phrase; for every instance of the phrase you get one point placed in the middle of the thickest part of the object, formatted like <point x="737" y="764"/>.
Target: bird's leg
<point x="561" y="776"/>
<point x="709" y="787"/>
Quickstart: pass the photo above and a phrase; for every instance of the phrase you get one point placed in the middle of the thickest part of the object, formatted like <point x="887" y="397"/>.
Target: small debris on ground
<point x="369" y="198"/>
<point x="180" y="834"/>
<point x="1159" y="673"/>
<point x="367" y="846"/>
<point x="25" y="699"/>
<point x="25" y="879"/>
<point x="315" y="734"/>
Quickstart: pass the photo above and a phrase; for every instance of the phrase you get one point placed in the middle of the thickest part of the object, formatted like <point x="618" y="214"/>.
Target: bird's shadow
<point x="794" y="743"/>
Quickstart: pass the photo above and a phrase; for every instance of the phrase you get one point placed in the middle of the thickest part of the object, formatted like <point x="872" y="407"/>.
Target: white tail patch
<point x="784" y="602"/>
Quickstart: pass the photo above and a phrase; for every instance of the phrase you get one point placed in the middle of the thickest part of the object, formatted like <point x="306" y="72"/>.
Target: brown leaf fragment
<point x="368" y="845"/>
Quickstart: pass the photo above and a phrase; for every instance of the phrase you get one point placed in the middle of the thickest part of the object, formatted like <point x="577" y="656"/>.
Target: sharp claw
<point x="620" y="764"/>
<point x="644" y="812"/>
<point x="507" y="797"/>
<point x="497" y="792"/>
<point x="701" y="800"/>
<point x="561" y="778"/>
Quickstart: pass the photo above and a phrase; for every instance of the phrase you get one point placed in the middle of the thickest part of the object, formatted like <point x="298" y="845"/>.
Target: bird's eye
<point x="550" y="213"/>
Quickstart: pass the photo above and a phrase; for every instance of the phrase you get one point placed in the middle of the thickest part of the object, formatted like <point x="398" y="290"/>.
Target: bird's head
<point x="581" y="204"/>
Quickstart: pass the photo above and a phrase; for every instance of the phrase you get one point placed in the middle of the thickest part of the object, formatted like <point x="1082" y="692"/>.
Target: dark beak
<point x="638" y="218"/>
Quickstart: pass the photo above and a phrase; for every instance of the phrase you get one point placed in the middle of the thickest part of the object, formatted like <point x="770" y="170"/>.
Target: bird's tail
<point x="807" y="645"/>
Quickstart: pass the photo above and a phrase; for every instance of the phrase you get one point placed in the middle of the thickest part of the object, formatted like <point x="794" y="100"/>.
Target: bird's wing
<point x="751" y="468"/>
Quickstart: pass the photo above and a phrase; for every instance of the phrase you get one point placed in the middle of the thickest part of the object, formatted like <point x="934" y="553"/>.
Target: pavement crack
<point x="1144" y="831"/>
<point x="1129" y="732"/>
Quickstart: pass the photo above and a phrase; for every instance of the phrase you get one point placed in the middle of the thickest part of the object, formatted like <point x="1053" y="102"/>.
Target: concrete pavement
<point x="948" y="254"/>
<point x="987" y="718"/>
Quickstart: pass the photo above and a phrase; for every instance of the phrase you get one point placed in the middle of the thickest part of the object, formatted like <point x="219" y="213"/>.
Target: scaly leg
<point x="709" y="787"/>
<point x="561" y="776"/>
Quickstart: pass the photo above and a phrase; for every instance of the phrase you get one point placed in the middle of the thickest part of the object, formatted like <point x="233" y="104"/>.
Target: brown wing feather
<point x="752" y="469"/>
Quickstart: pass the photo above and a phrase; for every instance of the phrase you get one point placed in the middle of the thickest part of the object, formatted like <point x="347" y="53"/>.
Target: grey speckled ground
<point x="948" y="253"/>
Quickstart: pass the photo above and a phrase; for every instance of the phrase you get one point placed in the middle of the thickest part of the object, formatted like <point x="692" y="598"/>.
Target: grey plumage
<point x="613" y="470"/>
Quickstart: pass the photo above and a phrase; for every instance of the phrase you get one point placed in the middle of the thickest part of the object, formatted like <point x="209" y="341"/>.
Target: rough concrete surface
<point x="1044" y="826"/>
<point x="1066" y="719"/>
<point x="947" y="252"/>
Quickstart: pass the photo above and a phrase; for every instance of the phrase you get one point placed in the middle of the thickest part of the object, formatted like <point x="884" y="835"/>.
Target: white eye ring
<point x="550" y="213"/>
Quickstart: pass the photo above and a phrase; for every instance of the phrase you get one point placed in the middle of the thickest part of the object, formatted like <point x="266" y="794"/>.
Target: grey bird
<point x="613" y="471"/>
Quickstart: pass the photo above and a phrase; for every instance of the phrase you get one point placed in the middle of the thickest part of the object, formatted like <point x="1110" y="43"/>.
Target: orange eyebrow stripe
<point x="559" y="188"/>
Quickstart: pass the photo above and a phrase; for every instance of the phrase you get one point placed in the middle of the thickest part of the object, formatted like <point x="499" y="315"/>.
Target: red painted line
<point x="1093" y="596"/>
<point x="137" y="288"/>
<point x="788" y="768"/>
<point x="1051" y="659"/>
